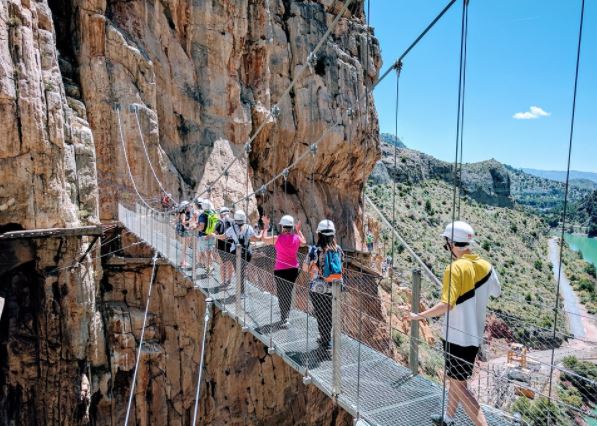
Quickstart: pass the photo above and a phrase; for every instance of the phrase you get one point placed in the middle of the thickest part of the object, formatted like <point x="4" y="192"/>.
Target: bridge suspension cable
<point x="135" y="108"/>
<point x="566" y="187"/>
<point x="126" y="159"/>
<point x="457" y="184"/>
<point x="398" y="62"/>
<point x="274" y="112"/>
<point x="134" y="380"/>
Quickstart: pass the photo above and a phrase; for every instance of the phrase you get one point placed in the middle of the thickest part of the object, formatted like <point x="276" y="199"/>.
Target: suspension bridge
<point x="361" y="373"/>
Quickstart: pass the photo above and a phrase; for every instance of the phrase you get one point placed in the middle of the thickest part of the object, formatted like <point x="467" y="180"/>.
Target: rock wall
<point x="204" y="75"/>
<point x="179" y="86"/>
<point x="50" y="333"/>
<point x="47" y="153"/>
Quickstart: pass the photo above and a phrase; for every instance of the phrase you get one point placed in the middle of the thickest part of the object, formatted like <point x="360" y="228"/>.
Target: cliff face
<point x="47" y="153"/>
<point x="179" y="86"/>
<point x="204" y="75"/>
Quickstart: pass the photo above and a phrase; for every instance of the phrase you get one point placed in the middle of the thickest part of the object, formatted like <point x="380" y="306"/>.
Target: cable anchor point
<point x="247" y="148"/>
<point x="285" y="173"/>
<point x="275" y="112"/>
<point x="313" y="148"/>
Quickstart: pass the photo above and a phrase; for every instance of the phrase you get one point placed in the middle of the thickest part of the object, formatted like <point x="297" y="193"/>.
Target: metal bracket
<point x="313" y="148"/>
<point x="247" y="148"/>
<point x="307" y="380"/>
<point x="285" y="173"/>
<point x="271" y="350"/>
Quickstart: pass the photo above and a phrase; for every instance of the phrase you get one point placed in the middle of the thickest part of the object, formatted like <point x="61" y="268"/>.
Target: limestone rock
<point x="41" y="136"/>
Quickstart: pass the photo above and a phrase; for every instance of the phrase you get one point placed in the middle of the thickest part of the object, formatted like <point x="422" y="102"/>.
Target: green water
<point x="588" y="246"/>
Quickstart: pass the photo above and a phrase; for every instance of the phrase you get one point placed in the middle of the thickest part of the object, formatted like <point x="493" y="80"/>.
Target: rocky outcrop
<point x="487" y="182"/>
<point x="47" y="154"/>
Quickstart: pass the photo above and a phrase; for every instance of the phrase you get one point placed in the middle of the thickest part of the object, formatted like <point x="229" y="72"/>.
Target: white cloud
<point x="533" y="113"/>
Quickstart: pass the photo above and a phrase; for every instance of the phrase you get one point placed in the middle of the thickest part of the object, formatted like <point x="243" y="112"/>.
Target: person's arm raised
<point x="299" y="231"/>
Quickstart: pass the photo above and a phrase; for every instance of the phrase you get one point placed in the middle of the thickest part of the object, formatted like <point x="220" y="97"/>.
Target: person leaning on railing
<point x="286" y="268"/>
<point x="468" y="283"/>
<point x="324" y="266"/>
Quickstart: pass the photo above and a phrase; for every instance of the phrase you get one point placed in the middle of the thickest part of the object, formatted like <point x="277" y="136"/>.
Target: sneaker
<point x="284" y="324"/>
<point x="438" y="419"/>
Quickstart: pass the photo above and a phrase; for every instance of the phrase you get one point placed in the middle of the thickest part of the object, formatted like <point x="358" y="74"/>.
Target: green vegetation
<point x="540" y="412"/>
<point x="582" y="278"/>
<point x="581" y="380"/>
<point x="514" y="241"/>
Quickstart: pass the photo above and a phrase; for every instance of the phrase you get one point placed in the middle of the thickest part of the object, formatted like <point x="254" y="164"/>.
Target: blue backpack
<point x="332" y="266"/>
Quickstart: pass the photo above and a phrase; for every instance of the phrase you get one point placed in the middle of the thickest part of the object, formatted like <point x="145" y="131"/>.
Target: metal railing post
<point x="336" y="336"/>
<point x="413" y="359"/>
<point x="193" y="257"/>
<point x="238" y="281"/>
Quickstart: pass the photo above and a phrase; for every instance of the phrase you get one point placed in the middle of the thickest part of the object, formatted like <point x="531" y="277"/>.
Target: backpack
<point x="243" y="241"/>
<point x="212" y="221"/>
<point x="332" y="266"/>
<point x="222" y="226"/>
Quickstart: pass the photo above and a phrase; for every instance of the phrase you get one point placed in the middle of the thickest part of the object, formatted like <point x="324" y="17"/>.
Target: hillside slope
<point x="515" y="242"/>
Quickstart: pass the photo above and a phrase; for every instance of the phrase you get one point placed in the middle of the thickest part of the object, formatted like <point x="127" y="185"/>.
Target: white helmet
<point x="206" y="205"/>
<point x="326" y="227"/>
<point x="240" y="217"/>
<point x="287" y="221"/>
<point x="463" y="232"/>
<point x="224" y="210"/>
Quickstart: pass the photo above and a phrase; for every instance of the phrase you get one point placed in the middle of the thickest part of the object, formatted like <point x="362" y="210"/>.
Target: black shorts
<point x="460" y="360"/>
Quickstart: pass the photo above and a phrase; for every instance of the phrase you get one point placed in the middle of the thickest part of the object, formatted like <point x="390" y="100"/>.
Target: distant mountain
<point x="560" y="176"/>
<point x="390" y="139"/>
<point x="487" y="182"/>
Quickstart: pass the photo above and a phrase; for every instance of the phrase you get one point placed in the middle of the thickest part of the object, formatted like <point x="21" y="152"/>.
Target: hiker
<point x="166" y="201"/>
<point x="224" y="246"/>
<point x="183" y="221"/>
<point x="206" y="222"/>
<point x="324" y="265"/>
<point x="286" y="268"/>
<point x="370" y="240"/>
<point x="468" y="283"/>
<point x="241" y="234"/>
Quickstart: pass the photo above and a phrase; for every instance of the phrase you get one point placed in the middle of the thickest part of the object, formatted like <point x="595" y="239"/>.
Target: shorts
<point x="460" y="360"/>
<point x="206" y="243"/>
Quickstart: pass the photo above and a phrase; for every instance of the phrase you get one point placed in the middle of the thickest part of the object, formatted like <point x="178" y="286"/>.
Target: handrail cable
<point x="133" y="383"/>
<point x="565" y="211"/>
<point x="275" y="110"/>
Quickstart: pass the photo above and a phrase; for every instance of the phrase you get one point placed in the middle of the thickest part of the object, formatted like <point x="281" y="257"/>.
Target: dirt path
<point x="572" y="306"/>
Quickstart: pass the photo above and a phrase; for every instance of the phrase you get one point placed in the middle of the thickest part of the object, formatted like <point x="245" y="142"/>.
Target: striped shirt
<point x="467" y="285"/>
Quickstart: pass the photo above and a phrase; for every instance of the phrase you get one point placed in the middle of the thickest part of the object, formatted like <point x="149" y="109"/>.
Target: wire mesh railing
<point x="355" y="345"/>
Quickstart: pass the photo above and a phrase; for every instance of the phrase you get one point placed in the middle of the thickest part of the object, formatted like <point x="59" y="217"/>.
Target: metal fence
<point x="354" y="345"/>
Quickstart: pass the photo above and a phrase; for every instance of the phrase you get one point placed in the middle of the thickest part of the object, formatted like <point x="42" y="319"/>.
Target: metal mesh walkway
<point x="367" y="382"/>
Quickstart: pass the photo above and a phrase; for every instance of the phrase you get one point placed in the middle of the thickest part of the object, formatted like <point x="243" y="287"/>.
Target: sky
<point x="519" y="80"/>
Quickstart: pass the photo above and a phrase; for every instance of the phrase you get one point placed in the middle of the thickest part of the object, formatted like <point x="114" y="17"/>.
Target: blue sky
<point x="521" y="54"/>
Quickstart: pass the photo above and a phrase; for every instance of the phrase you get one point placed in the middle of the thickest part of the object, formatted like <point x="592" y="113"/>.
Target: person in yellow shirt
<point x="468" y="282"/>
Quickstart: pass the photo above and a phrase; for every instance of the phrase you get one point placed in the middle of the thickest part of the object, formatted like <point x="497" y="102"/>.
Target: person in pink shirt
<point x="286" y="269"/>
